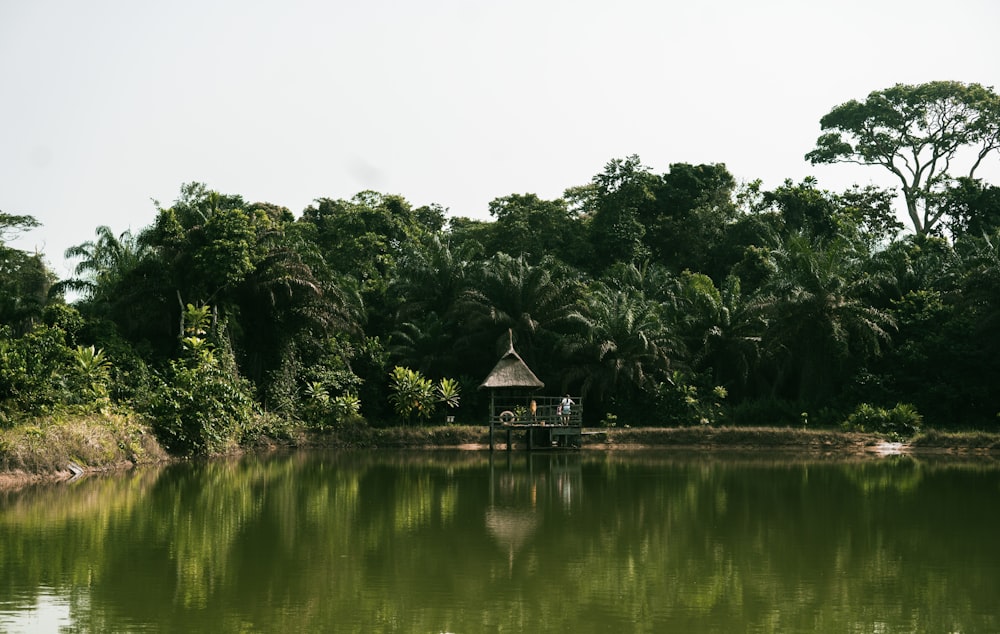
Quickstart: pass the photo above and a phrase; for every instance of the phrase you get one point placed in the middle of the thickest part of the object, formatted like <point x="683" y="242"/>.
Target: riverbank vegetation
<point x="677" y="299"/>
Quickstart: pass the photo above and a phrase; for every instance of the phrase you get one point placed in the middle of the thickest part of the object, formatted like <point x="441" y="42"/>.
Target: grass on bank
<point x="98" y="441"/>
<point x="91" y="441"/>
<point x="957" y="441"/>
<point x="696" y="436"/>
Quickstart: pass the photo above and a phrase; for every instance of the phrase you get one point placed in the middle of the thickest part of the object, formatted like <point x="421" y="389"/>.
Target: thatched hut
<point x="511" y="384"/>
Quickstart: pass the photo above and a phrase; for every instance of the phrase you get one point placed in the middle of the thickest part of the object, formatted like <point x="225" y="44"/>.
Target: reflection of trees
<point x="439" y="542"/>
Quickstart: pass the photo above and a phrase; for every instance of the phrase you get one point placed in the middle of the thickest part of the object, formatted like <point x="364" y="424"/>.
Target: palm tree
<point x="537" y="303"/>
<point x="290" y="300"/>
<point x="725" y="336"/>
<point x="425" y="343"/>
<point x="980" y="281"/>
<point x="627" y="348"/>
<point x="819" y="316"/>
<point x="104" y="264"/>
<point x="430" y="279"/>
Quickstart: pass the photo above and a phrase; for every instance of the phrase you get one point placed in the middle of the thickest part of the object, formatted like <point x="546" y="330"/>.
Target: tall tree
<point x="820" y="322"/>
<point x="24" y="288"/>
<point x="11" y="225"/>
<point x="722" y="329"/>
<point x="918" y="133"/>
<point x="537" y="302"/>
<point x="25" y="279"/>
<point x="364" y="236"/>
<point x="685" y="221"/>
<point x="104" y="264"/>
<point x="625" y="352"/>
<point x="612" y="202"/>
<point x="973" y="207"/>
<point x="528" y="225"/>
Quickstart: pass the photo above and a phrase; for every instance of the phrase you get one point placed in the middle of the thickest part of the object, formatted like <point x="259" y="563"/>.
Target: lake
<point x="466" y="542"/>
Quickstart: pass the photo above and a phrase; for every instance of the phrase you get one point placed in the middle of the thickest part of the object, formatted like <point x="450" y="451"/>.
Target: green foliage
<point x="412" y="394"/>
<point x="24" y="286"/>
<point x="322" y="411"/>
<point x="534" y="228"/>
<point x="790" y="300"/>
<point x="105" y="265"/>
<point x="415" y="396"/>
<point x="33" y="368"/>
<point x="365" y="236"/>
<point x="196" y="320"/>
<point x="688" y="400"/>
<point x="614" y="201"/>
<point x="628" y="343"/>
<point x="346" y="407"/>
<point x="93" y="371"/>
<point x="820" y="320"/>
<point x="918" y="133"/>
<point x="902" y="421"/>
<point x="203" y="406"/>
<point x="448" y="392"/>
<point x="688" y="216"/>
<point x="973" y="207"/>
<point x="316" y="407"/>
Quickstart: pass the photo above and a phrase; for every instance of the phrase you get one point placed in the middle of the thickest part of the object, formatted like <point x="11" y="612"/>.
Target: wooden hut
<point x="513" y="405"/>
<point x="511" y="384"/>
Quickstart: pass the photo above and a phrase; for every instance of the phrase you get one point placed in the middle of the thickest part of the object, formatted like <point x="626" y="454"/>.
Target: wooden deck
<point x="536" y="422"/>
<point x="537" y="436"/>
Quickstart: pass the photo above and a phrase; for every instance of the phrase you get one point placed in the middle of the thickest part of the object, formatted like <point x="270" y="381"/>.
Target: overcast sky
<point x="106" y="105"/>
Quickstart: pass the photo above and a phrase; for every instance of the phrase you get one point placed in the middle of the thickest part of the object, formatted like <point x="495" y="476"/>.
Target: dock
<point x="537" y="435"/>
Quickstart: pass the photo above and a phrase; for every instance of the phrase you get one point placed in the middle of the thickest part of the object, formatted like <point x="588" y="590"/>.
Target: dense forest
<point x="663" y="298"/>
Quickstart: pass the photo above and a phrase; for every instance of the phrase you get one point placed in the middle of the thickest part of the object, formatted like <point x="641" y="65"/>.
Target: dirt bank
<point x="58" y="452"/>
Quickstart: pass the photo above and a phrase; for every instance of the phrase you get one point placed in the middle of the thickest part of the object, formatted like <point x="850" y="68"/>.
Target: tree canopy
<point x="675" y="297"/>
<point x="919" y="133"/>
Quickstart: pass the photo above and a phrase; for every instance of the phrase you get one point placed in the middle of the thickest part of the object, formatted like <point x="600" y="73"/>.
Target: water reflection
<point x="516" y="490"/>
<point x="473" y="542"/>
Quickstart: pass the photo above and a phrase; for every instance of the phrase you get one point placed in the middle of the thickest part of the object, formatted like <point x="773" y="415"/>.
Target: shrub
<point x="204" y="404"/>
<point x="33" y="369"/>
<point x="690" y="400"/>
<point x="413" y="395"/>
<point x="902" y="421"/>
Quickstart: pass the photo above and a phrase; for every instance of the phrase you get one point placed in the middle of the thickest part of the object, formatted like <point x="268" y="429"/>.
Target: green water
<point x="454" y="542"/>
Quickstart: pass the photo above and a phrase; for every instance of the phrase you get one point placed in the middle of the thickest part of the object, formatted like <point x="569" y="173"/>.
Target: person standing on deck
<point x="565" y="406"/>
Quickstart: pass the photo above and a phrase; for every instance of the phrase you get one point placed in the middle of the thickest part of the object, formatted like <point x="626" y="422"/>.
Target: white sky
<point x="107" y="104"/>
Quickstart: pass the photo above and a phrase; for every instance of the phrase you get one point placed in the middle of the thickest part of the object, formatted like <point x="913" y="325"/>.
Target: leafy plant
<point x="412" y="394"/>
<point x="346" y="406"/>
<point x="203" y="405"/>
<point x="684" y="402"/>
<point x="33" y="369"/>
<point x="448" y="392"/>
<point x="93" y="371"/>
<point x="902" y="421"/>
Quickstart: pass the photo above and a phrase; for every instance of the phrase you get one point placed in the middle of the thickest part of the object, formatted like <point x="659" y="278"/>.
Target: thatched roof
<point x="511" y="372"/>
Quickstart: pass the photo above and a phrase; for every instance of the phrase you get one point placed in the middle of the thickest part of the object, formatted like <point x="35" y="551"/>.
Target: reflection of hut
<point x="511" y="528"/>
<point x="511" y="383"/>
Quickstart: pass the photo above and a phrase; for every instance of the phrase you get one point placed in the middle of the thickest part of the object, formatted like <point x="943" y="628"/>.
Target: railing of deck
<point x="537" y="410"/>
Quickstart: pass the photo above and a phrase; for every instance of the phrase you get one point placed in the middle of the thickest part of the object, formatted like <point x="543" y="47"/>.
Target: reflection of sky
<point x="50" y="614"/>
